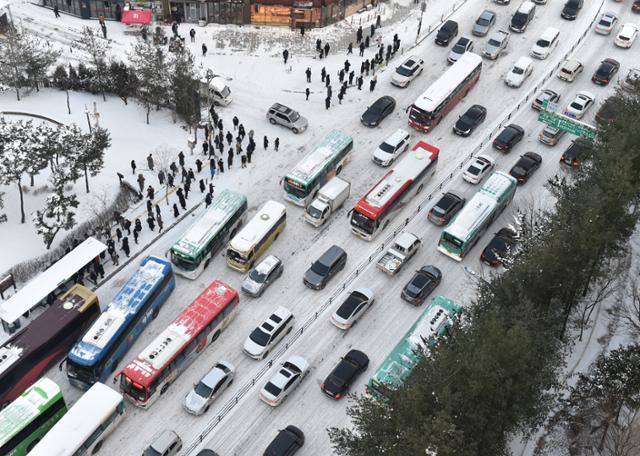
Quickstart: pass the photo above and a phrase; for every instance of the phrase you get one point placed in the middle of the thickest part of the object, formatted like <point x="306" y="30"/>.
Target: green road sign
<point x="565" y="123"/>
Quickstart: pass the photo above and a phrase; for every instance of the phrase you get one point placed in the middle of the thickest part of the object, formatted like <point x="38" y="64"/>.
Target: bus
<point x="95" y="356"/>
<point x="82" y="430"/>
<point x="465" y="230"/>
<point x="30" y="416"/>
<point x="385" y="200"/>
<point x="430" y="107"/>
<point x="435" y="323"/>
<point x="194" y="250"/>
<point x="37" y="347"/>
<point x="257" y="235"/>
<point x="325" y="161"/>
<point x="149" y="376"/>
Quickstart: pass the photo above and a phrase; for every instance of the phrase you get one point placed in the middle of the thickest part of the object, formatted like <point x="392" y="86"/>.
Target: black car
<point x="498" y="247"/>
<point x="342" y="376"/>
<point x="378" y="111"/>
<point x="571" y="8"/>
<point x="287" y="442"/>
<point x="329" y="264"/>
<point x="446" y="208"/>
<point x="468" y="121"/>
<point x="635" y="6"/>
<point x="423" y="282"/>
<point x="605" y="72"/>
<point x="509" y="137"/>
<point x="206" y="452"/>
<point x="574" y="154"/>
<point x="448" y="31"/>
<point x="526" y="166"/>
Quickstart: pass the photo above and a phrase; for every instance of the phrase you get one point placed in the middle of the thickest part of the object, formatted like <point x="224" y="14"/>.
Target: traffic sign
<point x="548" y="116"/>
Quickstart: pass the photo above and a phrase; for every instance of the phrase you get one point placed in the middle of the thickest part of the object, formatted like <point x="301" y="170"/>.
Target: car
<point x="421" y="285"/>
<point x="321" y="271"/>
<point x="344" y="374"/>
<point x="607" y="23"/>
<point x="635" y="6"/>
<point x="164" y="443"/>
<point x="525" y="167"/>
<point x="574" y="155"/>
<point x="631" y="80"/>
<point x="484" y="22"/>
<point x="605" y="72"/>
<point x="550" y="135"/>
<point x="509" y="137"/>
<point x="547" y="42"/>
<point x="376" y="113"/>
<point x="570" y="69"/>
<point x="447" y="32"/>
<point x="580" y="104"/>
<point x="548" y="95"/>
<point x="463" y="45"/>
<point x="479" y="167"/>
<point x="207" y="452"/>
<point x="571" y="9"/>
<point x="446" y="207"/>
<point x="470" y="120"/>
<point x="263" y="338"/>
<point x="288" y="441"/>
<point x="519" y="72"/>
<point x="522" y="17"/>
<point x="263" y="275"/>
<point x="209" y="388"/>
<point x="498" y="247"/>
<point x="356" y="304"/>
<point x="502" y="2"/>
<point x="392" y="147"/>
<point x="496" y="44"/>
<point x="407" y="72"/>
<point x="278" y="388"/>
<point x="626" y="36"/>
<point x="282" y="115"/>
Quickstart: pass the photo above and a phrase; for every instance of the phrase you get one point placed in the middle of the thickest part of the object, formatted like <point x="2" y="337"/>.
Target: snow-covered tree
<point x="97" y="49"/>
<point x="185" y="86"/>
<point x="152" y="70"/>
<point x="40" y="59"/>
<point x="89" y="158"/>
<point x="122" y="81"/>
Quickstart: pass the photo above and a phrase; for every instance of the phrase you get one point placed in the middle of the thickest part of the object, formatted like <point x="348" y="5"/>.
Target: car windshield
<point x="404" y="71"/>
<point x="151" y="452"/>
<point x="386" y="148"/>
<point x="517" y="70"/>
<point x="259" y="337"/>
<point x="236" y="256"/>
<point x="577" y="105"/>
<point x="257" y="276"/>
<point x="473" y="170"/>
<point x="459" y="48"/>
<point x="314" y="212"/>
<point x="606" y="21"/>
<point x="493" y="42"/>
<point x="550" y="133"/>
<point x="482" y="21"/>
<point x="319" y="268"/>
<point x="294" y="116"/>
<point x="272" y="389"/>
<point x="203" y="390"/>
<point x="542" y="43"/>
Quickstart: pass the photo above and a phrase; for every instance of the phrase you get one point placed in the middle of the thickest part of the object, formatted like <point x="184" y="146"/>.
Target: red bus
<point x="376" y="209"/>
<point x="148" y="376"/>
<point x="430" y="107"/>
<point x="45" y="341"/>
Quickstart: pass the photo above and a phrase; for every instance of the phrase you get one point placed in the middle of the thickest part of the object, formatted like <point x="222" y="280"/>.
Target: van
<point x="522" y="17"/>
<point x="216" y="91"/>
<point x="546" y="43"/>
<point x="329" y="264"/>
<point x="446" y="33"/>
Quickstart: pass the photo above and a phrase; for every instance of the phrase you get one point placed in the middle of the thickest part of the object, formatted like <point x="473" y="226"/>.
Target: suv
<point x="263" y="275"/>
<point x="570" y="69"/>
<point x="509" y="137"/>
<point x="269" y="333"/>
<point x="550" y="135"/>
<point x="391" y="148"/>
<point x="575" y="152"/>
<point x="448" y="31"/>
<point x="166" y="443"/>
<point x="329" y="264"/>
<point x="287" y="442"/>
<point x="280" y="114"/>
<point x="522" y="17"/>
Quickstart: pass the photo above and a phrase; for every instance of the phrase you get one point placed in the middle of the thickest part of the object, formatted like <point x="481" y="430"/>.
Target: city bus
<point x="149" y="376"/>
<point x="256" y="236"/>
<point x="321" y="164"/>
<point x="465" y="230"/>
<point x="219" y="223"/>
<point x="430" y="107"/>
<point x="385" y="200"/>
<point x="34" y="349"/>
<point x="435" y="323"/>
<point x="29" y="417"/>
<point x="82" y="430"/>
<point x="95" y="356"/>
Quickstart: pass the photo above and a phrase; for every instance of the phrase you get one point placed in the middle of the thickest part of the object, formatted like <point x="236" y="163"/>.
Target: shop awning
<point x="137" y="17"/>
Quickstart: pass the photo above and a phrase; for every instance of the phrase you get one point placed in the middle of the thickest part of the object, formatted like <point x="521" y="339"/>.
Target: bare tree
<point x="623" y="438"/>
<point x="627" y="307"/>
<point x="163" y="156"/>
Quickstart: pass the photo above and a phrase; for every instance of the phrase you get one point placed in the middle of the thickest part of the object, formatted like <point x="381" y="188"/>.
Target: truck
<point x="399" y="253"/>
<point x="498" y="41"/>
<point x="215" y="90"/>
<point x="330" y="197"/>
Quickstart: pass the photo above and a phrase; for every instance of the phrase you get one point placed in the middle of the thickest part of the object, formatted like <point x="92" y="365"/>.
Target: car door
<point x="359" y="311"/>
<point x="291" y="384"/>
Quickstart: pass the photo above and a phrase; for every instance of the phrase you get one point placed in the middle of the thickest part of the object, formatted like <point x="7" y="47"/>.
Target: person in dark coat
<point x="351" y="76"/>
<point x="276" y="144"/>
<point x="235" y="122"/>
<point x="359" y="34"/>
<point x="199" y="165"/>
<point x="307" y="92"/>
<point x="170" y="181"/>
<point x="220" y="125"/>
<point x="350" y="49"/>
<point x="340" y="97"/>
<point x="361" y="49"/>
<point x="56" y="11"/>
<point x="150" y="192"/>
<point x="184" y="176"/>
<point x="205" y="148"/>
<point x="181" y="159"/>
<point x="207" y="200"/>
<point x="318" y="44"/>
<point x="191" y="175"/>
<point x="341" y="75"/>
<point x="229" y="138"/>
<point x="327" y="103"/>
<point x="241" y="131"/>
<point x="161" y="177"/>
<point x="211" y="187"/>
<point x="347" y="66"/>
<point x="138" y="225"/>
<point x="373" y="30"/>
<point x="151" y="222"/>
<point x="372" y="83"/>
<point x="187" y="189"/>
<point x="141" y="182"/>
<point x="212" y="167"/>
<point x="230" y="159"/>
<point x="250" y="152"/>
<point x="176" y="213"/>
<point x="160" y="223"/>
<point x="202" y="186"/>
<point x="204" y="49"/>
<point x="326" y="49"/>
<point x="308" y="73"/>
<point x="174" y="168"/>
<point x="221" y="165"/>
<point x="150" y="162"/>
<point x="323" y="74"/>
<point x="192" y="34"/>
<point x="285" y="56"/>
<point x="149" y="206"/>
<point x="182" y="201"/>
<point x="125" y="246"/>
<point x="243" y="161"/>
<point x="360" y="82"/>
<point x="157" y="208"/>
<point x="327" y="81"/>
<point x="265" y="142"/>
<point x="366" y="42"/>
<point x="127" y="226"/>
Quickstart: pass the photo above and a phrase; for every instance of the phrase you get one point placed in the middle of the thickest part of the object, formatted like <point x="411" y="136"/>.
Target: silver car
<point x="358" y="301"/>
<point x="285" y="116"/>
<point x="287" y="379"/>
<point x="209" y="388"/>
<point x="484" y="22"/>
<point x="263" y="275"/>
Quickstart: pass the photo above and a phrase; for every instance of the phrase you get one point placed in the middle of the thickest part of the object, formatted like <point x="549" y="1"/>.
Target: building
<point x="5" y="16"/>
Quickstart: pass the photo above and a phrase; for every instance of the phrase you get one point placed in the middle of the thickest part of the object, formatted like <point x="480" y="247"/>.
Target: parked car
<point x="571" y="9"/>
<point x="209" y="388"/>
<point x="631" y="80"/>
<point x="626" y="36"/>
<point x="356" y="304"/>
<point x="287" y="379"/>
<point x="605" y="72"/>
<point x="269" y="333"/>
<point x="392" y="148"/>
<point x="547" y="42"/>
<point x="496" y="44"/>
<point x="287" y="442"/>
<point x="522" y="17"/>
<point x="545" y="95"/>
<point x="580" y="104"/>
<point x="321" y="271"/>
<point x="463" y="45"/>
<point x="509" y="137"/>
<point x="263" y="275"/>
<point x="484" y="22"/>
<point x="526" y="166"/>
<point x="421" y="285"/>
<point x="550" y="135"/>
<point x="165" y="443"/>
<point x="338" y="382"/>
<point x="607" y="23"/>
<point x="447" y="206"/>
<point x="447" y="32"/>
<point x="635" y="6"/>
<point x="570" y="69"/>
<point x="287" y="117"/>
<point x="479" y="167"/>
<point x="574" y="155"/>
<point x="207" y="452"/>
<point x="376" y="113"/>
<point x="407" y="72"/>
<point x="470" y="120"/>
<point x="498" y="247"/>
<point x="519" y="72"/>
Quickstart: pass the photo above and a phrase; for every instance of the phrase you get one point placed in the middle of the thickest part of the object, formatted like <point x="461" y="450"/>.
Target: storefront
<point x="211" y="11"/>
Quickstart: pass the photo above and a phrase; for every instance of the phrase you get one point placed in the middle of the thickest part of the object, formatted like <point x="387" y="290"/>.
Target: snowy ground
<point x="258" y="78"/>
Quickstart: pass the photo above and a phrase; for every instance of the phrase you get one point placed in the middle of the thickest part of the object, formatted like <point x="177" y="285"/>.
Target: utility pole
<point x="423" y="6"/>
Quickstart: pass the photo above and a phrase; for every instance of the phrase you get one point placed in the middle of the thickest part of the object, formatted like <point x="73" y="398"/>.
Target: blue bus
<point x="95" y="356"/>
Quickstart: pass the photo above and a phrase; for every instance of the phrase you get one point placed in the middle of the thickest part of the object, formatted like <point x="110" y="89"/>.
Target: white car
<point x="358" y="301"/>
<point x="392" y="148"/>
<point x="480" y="167"/>
<point x="607" y="23"/>
<point x="209" y="388"/>
<point x="407" y="72"/>
<point x="520" y="71"/>
<point x="269" y="333"/>
<point x="289" y="376"/>
<point x="463" y="45"/>
<point x="580" y="104"/>
<point x="626" y="36"/>
<point x="545" y="44"/>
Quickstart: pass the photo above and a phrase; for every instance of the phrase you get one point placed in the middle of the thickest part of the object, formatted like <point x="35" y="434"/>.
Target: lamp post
<point x="86" y="113"/>
<point x="423" y="6"/>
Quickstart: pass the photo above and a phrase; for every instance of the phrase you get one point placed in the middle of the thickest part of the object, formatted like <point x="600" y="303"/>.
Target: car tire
<point x="164" y="389"/>
<point x="289" y="330"/>
<point x="272" y="120"/>
<point x="215" y="336"/>
<point x="295" y="130"/>
<point x="97" y="447"/>
<point x="206" y="409"/>
<point x="155" y="313"/>
<point x="266" y="353"/>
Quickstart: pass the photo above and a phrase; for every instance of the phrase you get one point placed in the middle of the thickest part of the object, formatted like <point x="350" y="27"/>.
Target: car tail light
<point x="338" y="396"/>
<point x="322" y="386"/>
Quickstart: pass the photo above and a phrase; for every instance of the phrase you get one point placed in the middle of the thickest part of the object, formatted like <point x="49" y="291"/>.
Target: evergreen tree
<point x="40" y="59"/>
<point x="90" y="156"/>
<point x="152" y="70"/>
<point x="122" y="80"/>
<point x="185" y="86"/>
<point x="97" y="49"/>
<point x="74" y="79"/>
<point x="13" y="61"/>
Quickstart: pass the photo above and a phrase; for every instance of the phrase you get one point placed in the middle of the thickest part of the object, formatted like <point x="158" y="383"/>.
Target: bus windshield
<point x="421" y="116"/>
<point x="237" y="257"/>
<point x="363" y="222"/>
<point x="133" y="389"/>
<point x="295" y="190"/>
<point x="184" y="263"/>
<point x="84" y="374"/>
<point x="452" y="240"/>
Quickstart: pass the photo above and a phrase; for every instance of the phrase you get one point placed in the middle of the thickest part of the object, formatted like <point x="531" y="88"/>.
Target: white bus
<point x="247" y="246"/>
<point x="84" y="427"/>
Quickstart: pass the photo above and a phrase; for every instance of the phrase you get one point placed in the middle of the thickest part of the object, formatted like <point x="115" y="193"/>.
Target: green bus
<point x="29" y="417"/>
<point x="219" y="223"/>
<point x="468" y="226"/>
<point x="435" y="322"/>
<point x="325" y="161"/>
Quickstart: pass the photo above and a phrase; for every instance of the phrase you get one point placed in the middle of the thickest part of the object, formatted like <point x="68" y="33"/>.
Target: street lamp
<point x="86" y="113"/>
<point x="423" y="6"/>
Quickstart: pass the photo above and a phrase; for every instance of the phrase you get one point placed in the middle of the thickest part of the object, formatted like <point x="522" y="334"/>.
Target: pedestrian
<point x="212" y="167"/>
<point x="229" y="137"/>
<point x="250" y="135"/>
<point x="161" y="177"/>
<point x="235" y="123"/>
<point x="182" y="201"/>
<point x="350" y="49"/>
<point x="149" y="207"/>
<point x="133" y="166"/>
<point x="115" y="258"/>
<point x="359" y="35"/>
<point x="366" y="42"/>
<point x="205" y="148"/>
<point x="351" y="76"/>
<point x="276" y="144"/>
<point x="121" y="176"/>
<point x="191" y="175"/>
<point x="174" y="29"/>
<point x="157" y="209"/>
<point x="181" y="159"/>
<point x="341" y="75"/>
<point x="340" y="97"/>
<point x="56" y="12"/>
<point x="125" y="246"/>
<point x="100" y="270"/>
<point x="243" y="161"/>
<point x="170" y="180"/>
<point x="241" y="131"/>
<point x="321" y="54"/>
<point x="323" y="74"/>
<point x="265" y="142"/>
<point x="174" y="168"/>
<point x="141" y="182"/>
<point x="184" y="175"/>
<point x="327" y="81"/>
<point x="150" y="162"/>
<point x="318" y="45"/>
<point x="378" y="21"/>
<point x="151" y="222"/>
<point x="373" y="30"/>
<point x="187" y="188"/>
<point x="360" y="81"/>
<point x="160" y="223"/>
<point x="250" y="152"/>
<point x="396" y="45"/>
<point x="119" y="234"/>
<point x="372" y="83"/>
<point x="192" y="34"/>
<point x="127" y="226"/>
<point x="361" y="49"/>
<point x="326" y="49"/>
<point x="285" y="56"/>
<point x="238" y="148"/>
<point x="327" y="103"/>
<point x="306" y="92"/>
<point x="221" y="165"/>
<point x="211" y="187"/>
<point x="308" y="73"/>
<point x="207" y="200"/>
<point x="347" y="66"/>
<point x="202" y="185"/>
<point x="176" y="213"/>
<point x="137" y="225"/>
<point x="204" y="49"/>
<point x="143" y="32"/>
<point x="230" y="159"/>
<point x="151" y="193"/>
<point x="329" y="92"/>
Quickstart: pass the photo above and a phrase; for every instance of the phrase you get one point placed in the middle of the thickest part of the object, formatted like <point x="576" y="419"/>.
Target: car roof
<point x="331" y="254"/>
<point x="163" y="440"/>
<point x="384" y="100"/>
<point x="281" y="313"/>
<point x="449" y="24"/>
<point x="610" y="61"/>
<point x="282" y="108"/>
<point x="411" y="61"/>
<point x="212" y="377"/>
<point x="585" y="93"/>
<point x="523" y="61"/>
<point x="406" y="238"/>
<point x="463" y="40"/>
<point x="487" y="14"/>
<point x="267" y="264"/>
<point x="571" y="64"/>
<point x="396" y="137"/>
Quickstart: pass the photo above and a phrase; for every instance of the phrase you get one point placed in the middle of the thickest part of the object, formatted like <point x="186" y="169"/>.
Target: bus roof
<point x="90" y="411"/>
<point x="258" y="226"/>
<point x="317" y="159"/>
<point x="40" y="287"/>
<point x="208" y="225"/>
<point x="499" y="185"/>
<point x="472" y="215"/>
<point x="447" y="82"/>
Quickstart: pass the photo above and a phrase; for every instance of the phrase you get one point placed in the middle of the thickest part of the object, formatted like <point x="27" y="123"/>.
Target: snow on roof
<point x="332" y="144"/>
<point x="258" y="226"/>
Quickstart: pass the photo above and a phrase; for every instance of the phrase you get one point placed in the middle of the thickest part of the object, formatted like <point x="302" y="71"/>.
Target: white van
<point x="546" y="43"/>
<point x="522" y="17"/>
<point x="217" y="91"/>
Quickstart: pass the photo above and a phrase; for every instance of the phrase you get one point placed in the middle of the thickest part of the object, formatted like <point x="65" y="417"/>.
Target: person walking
<point x="327" y="103"/>
<point x="323" y="74"/>
<point x="212" y="167"/>
<point x="151" y="193"/>
<point x="326" y="49"/>
<point x="361" y="49"/>
<point x="183" y="175"/>
<point x="360" y="81"/>
<point x="127" y="226"/>
<point x="373" y="30"/>
<point x="187" y="189"/>
<point x="308" y="73"/>
<point x="307" y="92"/>
<point x="150" y="162"/>
<point x="318" y="45"/>
<point x="151" y="222"/>
<point x="182" y="201"/>
<point x="251" y="135"/>
<point x="351" y="76"/>
<point x="341" y="75"/>
<point x="119" y="234"/>
<point x="221" y="165"/>
<point x="136" y="233"/>
<point x="276" y="144"/>
<point x="192" y="34"/>
<point x="207" y="200"/>
<point x="243" y="162"/>
<point x="285" y="56"/>
<point x="161" y="177"/>
<point x="329" y="92"/>
<point x="115" y="258"/>
<point x="157" y="209"/>
<point x="137" y="225"/>
<point x="160" y="223"/>
<point x="327" y="80"/>
<point x="205" y="148"/>
<point x="230" y="159"/>
<point x="359" y="35"/>
<point x="170" y="181"/>
<point x="372" y="83"/>
<point x="120" y="177"/>
<point x="149" y="207"/>
<point x="265" y="142"/>
<point x="236" y="122"/>
<point x="241" y="131"/>
<point x="340" y="97"/>
<point x="366" y="42"/>
<point x="173" y="168"/>
<point x="378" y="21"/>
<point x="238" y="148"/>
<point x="181" y="159"/>
<point x="250" y="152"/>
<point x="202" y="186"/>
<point x="229" y="137"/>
<point x="56" y="11"/>
<point x="141" y="182"/>
<point x="125" y="246"/>
<point x="176" y="213"/>
<point x="191" y="175"/>
<point x="350" y="49"/>
<point x="133" y="167"/>
<point x="204" y="50"/>
<point x="199" y="165"/>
